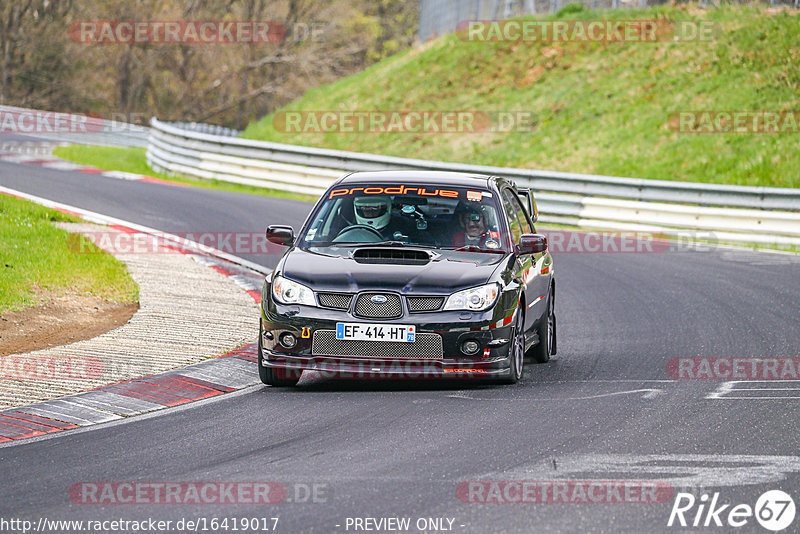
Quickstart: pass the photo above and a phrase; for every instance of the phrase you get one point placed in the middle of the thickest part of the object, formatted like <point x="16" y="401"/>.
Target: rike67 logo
<point x="774" y="510"/>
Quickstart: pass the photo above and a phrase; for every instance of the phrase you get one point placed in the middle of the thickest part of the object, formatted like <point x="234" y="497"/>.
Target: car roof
<point x="417" y="177"/>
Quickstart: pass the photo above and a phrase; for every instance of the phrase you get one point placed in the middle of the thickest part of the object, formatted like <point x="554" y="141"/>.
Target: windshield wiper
<point x="372" y="244"/>
<point x="475" y="248"/>
<point x="383" y="244"/>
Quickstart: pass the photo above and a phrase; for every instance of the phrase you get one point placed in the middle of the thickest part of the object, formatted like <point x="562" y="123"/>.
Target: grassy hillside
<point x="601" y="108"/>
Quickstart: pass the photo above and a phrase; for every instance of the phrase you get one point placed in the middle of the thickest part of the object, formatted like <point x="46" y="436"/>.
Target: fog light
<point x="470" y="347"/>
<point x="288" y="340"/>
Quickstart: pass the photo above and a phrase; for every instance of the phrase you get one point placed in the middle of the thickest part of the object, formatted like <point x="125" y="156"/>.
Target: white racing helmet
<point x="374" y="211"/>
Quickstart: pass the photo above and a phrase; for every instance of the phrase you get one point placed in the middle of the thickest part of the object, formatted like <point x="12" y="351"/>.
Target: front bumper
<point x="453" y="327"/>
<point x="342" y="367"/>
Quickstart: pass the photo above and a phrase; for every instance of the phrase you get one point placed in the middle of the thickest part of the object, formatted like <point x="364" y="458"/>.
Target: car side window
<point x="527" y="228"/>
<point x="528" y="202"/>
<point x="510" y="208"/>
<point x="321" y="228"/>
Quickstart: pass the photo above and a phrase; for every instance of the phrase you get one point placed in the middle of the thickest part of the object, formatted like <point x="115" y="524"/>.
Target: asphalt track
<point x="605" y="408"/>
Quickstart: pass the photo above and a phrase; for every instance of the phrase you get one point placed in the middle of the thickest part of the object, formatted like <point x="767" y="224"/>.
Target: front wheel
<point x="516" y="352"/>
<point x="546" y="331"/>
<point x="274" y="377"/>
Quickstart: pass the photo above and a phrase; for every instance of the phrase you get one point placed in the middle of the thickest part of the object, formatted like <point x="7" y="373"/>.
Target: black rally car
<point x="410" y="273"/>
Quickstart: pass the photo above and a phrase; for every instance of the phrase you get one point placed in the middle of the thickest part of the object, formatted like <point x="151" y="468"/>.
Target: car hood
<point x="326" y="269"/>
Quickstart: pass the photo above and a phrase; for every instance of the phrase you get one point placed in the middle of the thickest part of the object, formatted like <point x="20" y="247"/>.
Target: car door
<point x="534" y="270"/>
<point x="523" y="265"/>
<point x="543" y="261"/>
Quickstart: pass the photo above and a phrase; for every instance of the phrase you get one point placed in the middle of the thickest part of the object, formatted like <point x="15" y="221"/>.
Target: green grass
<point x="35" y="256"/>
<point x="601" y="108"/>
<point x="133" y="160"/>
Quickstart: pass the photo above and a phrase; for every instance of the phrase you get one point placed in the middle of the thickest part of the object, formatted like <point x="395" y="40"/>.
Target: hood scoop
<point x="395" y="256"/>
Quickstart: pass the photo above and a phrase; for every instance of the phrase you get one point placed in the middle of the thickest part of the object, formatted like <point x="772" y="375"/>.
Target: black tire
<point x="516" y="352"/>
<point x="275" y="377"/>
<point x="546" y="347"/>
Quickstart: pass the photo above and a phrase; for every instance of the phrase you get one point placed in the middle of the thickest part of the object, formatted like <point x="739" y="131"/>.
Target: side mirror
<point x="280" y="235"/>
<point x="531" y="244"/>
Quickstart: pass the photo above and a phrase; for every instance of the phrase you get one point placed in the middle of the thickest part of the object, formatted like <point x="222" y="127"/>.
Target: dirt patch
<point x="61" y="319"/>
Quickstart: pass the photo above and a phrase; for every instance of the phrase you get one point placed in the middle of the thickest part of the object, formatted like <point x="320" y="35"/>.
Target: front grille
<point x="424" y="304"/>
<point x="424" y="347"/>
<point x="338" y="301"/>
<point x="365" y="307"/>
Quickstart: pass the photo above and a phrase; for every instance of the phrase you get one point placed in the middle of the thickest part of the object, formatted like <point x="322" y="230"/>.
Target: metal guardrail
<point x="740" y="213"/>
<point x="204" y="127"/>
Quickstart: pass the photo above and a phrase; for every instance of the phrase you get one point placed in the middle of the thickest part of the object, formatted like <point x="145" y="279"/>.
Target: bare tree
<point x="229" y="84"/>
<point x="27" y="45"/>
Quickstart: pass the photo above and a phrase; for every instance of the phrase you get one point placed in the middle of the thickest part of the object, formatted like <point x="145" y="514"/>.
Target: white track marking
<point x="679" y="470"/>
<point x="729" y="391"/>
<point x="648" y="394"/>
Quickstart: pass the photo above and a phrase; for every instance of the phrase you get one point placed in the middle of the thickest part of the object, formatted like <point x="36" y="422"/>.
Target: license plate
<point x="397" y="333"/>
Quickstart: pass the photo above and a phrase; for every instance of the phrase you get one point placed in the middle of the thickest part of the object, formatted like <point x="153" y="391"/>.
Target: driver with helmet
<point x="375" y="211"/>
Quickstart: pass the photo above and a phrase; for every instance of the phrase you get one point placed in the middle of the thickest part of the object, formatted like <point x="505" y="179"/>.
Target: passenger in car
<point x="474" y="227"/>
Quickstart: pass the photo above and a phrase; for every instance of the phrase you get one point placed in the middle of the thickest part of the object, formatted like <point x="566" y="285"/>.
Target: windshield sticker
<point x="474" y="195"/>
<point x="395" y="190"/>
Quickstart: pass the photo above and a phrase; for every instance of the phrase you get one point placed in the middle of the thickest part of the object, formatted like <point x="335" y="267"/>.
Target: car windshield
<point x="445" y="217"/>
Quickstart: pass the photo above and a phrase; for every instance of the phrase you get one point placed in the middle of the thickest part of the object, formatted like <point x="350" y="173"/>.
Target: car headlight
<point x="475" y="299"/>
<point x="286" y="291"/>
